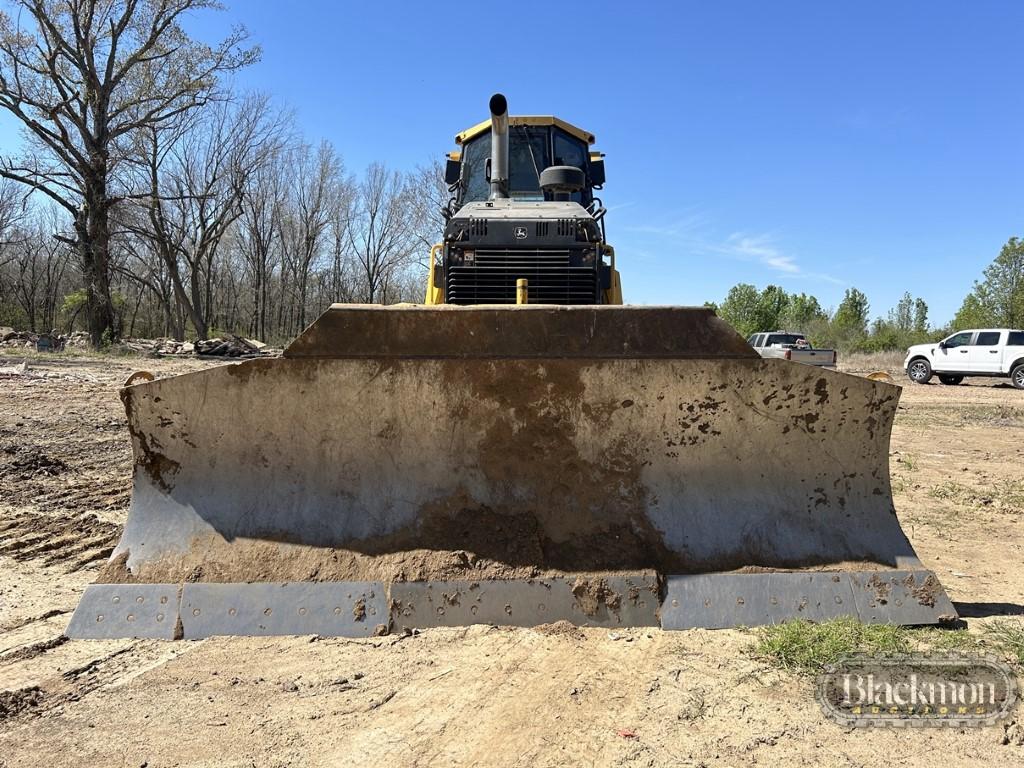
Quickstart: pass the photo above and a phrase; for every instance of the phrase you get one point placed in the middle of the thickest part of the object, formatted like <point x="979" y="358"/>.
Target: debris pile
<point x="228" y="345"/>
<point x="12" y="338"/>
<point x="172" y="347"/>
<point x="77" y="340"/>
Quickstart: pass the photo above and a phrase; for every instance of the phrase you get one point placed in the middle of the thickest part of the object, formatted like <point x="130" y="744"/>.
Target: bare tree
<point x="428" y="196"/>
<point x="382" y="233"/>
<point x="339" y="284"/>
<point x="316" y="182"/>
<point x="197" y="182"/>
<point x="10" y="208"/>
<point x="258" y="230"/>
<point x="34" y="272"/>
<point x="85" y="78"/>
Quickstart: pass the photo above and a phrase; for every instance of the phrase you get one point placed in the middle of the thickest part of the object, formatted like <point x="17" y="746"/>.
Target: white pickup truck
<point x="791" y="346"/>
<point x="981" y="352"/>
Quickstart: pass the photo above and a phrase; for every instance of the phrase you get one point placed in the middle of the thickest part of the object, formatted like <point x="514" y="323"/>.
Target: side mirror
<point x="451" y="172"/>
<point x="942" y="345"/>
<point x="596" y="173"/>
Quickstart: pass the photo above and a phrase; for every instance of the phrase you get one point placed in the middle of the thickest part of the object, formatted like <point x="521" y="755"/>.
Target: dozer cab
<point x="520" y="450"/>
<point x="524" y="209"/>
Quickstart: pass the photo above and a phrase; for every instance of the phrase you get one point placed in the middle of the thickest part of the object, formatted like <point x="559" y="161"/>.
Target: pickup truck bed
<point x="791" y="346"/>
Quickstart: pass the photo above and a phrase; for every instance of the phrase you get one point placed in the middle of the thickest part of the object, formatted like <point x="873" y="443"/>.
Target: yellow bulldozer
<point x="519" y="450"/>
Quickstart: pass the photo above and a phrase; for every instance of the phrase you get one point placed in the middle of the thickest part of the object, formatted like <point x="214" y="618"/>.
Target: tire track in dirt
<point x="73" y="543"/>
<point x="10" y="627"/>
<point x="52" y="674"/>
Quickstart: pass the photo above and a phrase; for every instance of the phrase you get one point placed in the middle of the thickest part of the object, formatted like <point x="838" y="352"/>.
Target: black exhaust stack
<point x="499" y="147"/>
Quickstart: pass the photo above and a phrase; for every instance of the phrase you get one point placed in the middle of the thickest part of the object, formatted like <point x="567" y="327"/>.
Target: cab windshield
<point x="529" y="153"/>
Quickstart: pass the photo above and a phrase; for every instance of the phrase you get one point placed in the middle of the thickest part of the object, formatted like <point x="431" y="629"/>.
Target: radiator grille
<point x="493" y="278"/>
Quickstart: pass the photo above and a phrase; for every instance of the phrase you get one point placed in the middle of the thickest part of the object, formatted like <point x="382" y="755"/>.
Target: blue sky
<point x="815" y="145"/>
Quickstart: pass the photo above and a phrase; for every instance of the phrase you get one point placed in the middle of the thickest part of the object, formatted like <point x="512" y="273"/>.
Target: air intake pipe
<point x="499" y="147"/>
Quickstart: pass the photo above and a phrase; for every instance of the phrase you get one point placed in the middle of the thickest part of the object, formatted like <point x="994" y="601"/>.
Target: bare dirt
<point x="554" y="695"/>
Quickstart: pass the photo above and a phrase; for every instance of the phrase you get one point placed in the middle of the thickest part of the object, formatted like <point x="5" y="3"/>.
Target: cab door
<point x="954" y="355"/>
<point x="985" y="354"/>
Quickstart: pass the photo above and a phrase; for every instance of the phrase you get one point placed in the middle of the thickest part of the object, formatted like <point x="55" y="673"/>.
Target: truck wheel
<point x="1017" y="376"/>
<point x="951" y="380"/>
<point x="919" y="371"/>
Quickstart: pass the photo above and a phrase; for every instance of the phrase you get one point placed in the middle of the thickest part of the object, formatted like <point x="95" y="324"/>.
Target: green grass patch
<point x="1000" y="415"/>
<point x="807" y="648"/>
<point x="1008" y="636"/>
<point x="1005" y="496"/>
<point x="937" y="639"/>
<point x="949" y="490"/>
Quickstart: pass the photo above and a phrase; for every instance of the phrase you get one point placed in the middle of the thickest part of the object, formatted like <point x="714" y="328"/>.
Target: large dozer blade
<point x="411" y="466"/>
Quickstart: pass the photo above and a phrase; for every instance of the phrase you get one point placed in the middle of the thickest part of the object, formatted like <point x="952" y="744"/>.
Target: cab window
<point x="959" y="339"/>
<point x="1016" y="339"/>
<point x="474" y="157"/>
<point x="569" y="151"/>
<point x="987" y="339"/>
<point x="527" y="157"/>
<point x="785" y="339"/>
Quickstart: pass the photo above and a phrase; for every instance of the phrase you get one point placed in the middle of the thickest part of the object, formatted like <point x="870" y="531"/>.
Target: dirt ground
<point x="477" y="696"/>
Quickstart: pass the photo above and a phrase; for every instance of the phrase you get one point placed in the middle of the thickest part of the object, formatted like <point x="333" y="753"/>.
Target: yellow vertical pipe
<point x="522" y="291"/>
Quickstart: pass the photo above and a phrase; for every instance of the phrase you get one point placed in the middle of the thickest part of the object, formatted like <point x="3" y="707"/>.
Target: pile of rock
<point x="172" y="347"/>
<point x="12" y="338"/>
<point x="78" y="340"/>
<point x="158" y="347"/>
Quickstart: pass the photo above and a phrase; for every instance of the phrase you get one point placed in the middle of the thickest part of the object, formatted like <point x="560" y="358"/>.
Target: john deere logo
<point x="520" y="233"/>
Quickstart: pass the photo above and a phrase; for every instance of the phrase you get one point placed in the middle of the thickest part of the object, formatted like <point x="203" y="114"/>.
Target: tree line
<point x="997" y="300"/>
<point x="152" y="199"/>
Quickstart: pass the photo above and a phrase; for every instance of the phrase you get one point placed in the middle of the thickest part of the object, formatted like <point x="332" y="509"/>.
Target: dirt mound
<point x="212" y="559"/>
<point x="32" y="463"/>
<point x="16" y="702"/>
<point x="561" y="628"/>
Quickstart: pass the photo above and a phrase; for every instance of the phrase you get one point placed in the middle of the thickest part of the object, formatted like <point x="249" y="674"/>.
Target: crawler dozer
<point x="520" y="449"/>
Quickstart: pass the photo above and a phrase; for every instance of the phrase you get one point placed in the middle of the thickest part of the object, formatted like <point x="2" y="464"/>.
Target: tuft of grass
<point x="940" y="639"/>
<point x="999" y="415"/>
<point x="803" y="647"/>
<point x="1007" y="495"/>
<point x="948" y="490"/>
<point x="806" y="648"/>
<point x="1008" y="636"/>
